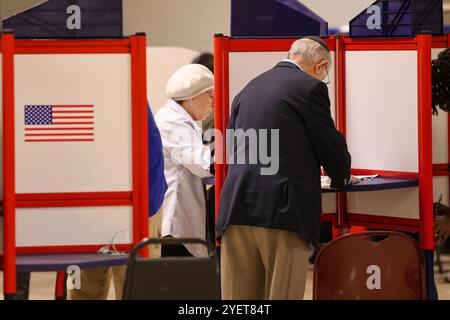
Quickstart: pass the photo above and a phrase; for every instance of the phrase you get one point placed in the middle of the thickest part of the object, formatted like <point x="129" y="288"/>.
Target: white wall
<point x="192" y="23"/>
<point x="182" y="23"/>
<point x="337" y="13"/>
<point x="11" y="7"/>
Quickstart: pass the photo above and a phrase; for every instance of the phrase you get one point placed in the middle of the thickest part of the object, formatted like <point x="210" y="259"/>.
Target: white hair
<point x="310" y="52"/>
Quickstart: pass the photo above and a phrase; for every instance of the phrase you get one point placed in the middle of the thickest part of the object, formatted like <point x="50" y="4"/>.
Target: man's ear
<point x="323" y="63"/>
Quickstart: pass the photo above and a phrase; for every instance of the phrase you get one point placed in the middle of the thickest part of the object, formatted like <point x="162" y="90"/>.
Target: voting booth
<point x="386" y="111"/>
<point x="75" y="148"/>
<point x="380" y="95"/>
<point x="378" y="92"/>
<point x="238" y="61"/>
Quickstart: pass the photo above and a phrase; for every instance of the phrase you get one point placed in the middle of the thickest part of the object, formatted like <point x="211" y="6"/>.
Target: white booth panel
<point x="245" y="66"/>
<point x="382" y="110"/>
<point x="440" y="130"/>
<point x="73" y="226"/>
<point x="101" y="80"/>
<point x="441" y="187"/>
<point x="329" y="203"/>
<point x="397" y="203"/>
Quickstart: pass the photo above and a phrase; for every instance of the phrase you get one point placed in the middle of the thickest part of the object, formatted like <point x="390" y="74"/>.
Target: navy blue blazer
<point x="298" y="105"/>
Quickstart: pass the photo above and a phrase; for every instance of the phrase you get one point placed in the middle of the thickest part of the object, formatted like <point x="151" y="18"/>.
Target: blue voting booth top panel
<point x="274" y="19"/>
<point x="60" y="262"/>
<point x="375" y="184"/>
<point x="399" y="18"/>
<point x="64" y="19"/>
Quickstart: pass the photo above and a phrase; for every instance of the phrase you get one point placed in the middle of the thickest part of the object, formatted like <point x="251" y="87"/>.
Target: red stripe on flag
<point x="58" y="134"/>
<point x="62" y="140"/>
<point x="74" y="106"/>
<point x="72" y="123"/>
<point x="73" y="117"/>
<point x="73" y="111"/>
<point x="59" y="129"/>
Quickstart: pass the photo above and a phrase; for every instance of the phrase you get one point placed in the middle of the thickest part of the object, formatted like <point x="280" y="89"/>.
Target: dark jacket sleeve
<point x="232" y="122"/>
<point x="234" y="112"/>
<point x="328" y="143"/>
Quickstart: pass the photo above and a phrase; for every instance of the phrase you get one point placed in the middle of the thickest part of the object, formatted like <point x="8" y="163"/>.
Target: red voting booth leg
<point x="341" y="121"/>
<point x="9" y="263"/>
<point x="221" y="109"/>
<point x="425" y="142"/>
<point x="340" y="85"/>
<point x="59" y="286"/>
<point x="140" y="139"/>
<point x="425" y="158"/>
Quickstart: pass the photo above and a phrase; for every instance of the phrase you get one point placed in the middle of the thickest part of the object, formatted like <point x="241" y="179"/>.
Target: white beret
<point x="189" y="81"/>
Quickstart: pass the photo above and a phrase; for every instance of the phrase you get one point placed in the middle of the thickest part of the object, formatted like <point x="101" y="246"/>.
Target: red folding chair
<point x="370" y="266"/>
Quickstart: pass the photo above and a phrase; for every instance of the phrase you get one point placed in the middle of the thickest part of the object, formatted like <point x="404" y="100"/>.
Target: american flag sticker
<point x="59" y="123"/>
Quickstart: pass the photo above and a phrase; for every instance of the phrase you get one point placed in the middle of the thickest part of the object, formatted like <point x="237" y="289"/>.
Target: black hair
<point x="441" y="82"/>
<point x="205" y="59"/>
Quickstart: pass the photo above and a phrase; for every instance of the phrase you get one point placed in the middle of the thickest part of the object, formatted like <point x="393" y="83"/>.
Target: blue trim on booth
<point x="60" y="262"/>
<point x="375" y="184"/>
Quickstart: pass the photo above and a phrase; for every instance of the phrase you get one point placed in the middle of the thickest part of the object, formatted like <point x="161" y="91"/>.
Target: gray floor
<point x="42" y="285"/>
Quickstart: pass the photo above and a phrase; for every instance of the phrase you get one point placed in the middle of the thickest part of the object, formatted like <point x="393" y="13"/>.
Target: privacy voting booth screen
<point x="389" y="131"/>
<point x="75" y="146"/>
<point x="73" y="135"/>
<point x="382" y="126"/>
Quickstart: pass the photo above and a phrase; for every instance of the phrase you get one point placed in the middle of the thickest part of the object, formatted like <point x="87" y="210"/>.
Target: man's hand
<point x="441" y="229"/>
<point x="354" y="179"/>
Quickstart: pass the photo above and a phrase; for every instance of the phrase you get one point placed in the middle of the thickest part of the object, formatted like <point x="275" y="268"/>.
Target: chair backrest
<point x="172" y="278"/>
<point x="370" y="266"/>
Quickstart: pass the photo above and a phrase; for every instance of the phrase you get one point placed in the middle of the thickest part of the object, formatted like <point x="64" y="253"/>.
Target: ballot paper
<point x="326" y="181"/>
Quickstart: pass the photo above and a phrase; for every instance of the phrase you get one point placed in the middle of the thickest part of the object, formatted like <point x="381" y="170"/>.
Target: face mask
<point x="323" y="76"/>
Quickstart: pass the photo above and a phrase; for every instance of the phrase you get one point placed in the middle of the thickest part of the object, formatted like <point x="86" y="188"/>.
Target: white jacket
<point x="187" y="161"/>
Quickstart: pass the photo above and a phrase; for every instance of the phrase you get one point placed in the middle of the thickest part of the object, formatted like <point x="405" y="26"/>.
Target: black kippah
<point x="319" y="41"/>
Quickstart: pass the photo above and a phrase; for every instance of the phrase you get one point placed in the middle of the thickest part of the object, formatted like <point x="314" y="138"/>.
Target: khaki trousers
<point x="95" y="283"/>
<point x="263" y="264"/>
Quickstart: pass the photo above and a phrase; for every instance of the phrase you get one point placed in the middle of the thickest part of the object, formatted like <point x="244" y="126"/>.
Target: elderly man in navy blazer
<point x="269" y="219"/>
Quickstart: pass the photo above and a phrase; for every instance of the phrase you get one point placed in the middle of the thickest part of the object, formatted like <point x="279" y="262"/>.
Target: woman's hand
<point x="441" y="229"/>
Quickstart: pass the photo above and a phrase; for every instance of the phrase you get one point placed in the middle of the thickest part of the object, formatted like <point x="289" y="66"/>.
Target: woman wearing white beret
<point x="187" y="161"/>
